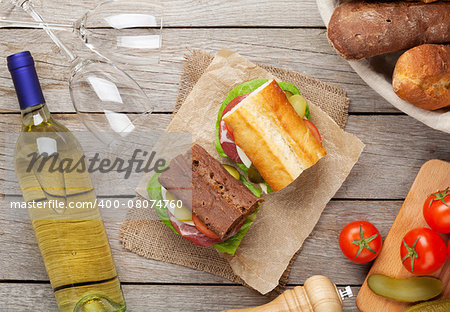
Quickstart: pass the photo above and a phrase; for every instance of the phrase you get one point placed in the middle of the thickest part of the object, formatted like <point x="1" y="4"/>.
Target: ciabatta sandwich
<point x="268" y="134"/>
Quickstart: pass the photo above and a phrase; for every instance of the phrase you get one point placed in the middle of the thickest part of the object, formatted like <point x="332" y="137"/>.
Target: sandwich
<point x="199" y="199"/>
<point x="264" y="127"/>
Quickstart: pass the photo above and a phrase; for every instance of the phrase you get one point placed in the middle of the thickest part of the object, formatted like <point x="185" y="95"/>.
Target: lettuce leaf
<point x="243" y="88"/>
<point x="230" y="245"/>
<point x="154" y="193"/>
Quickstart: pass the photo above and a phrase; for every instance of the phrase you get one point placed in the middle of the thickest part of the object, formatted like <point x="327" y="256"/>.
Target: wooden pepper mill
<point x="319" y="294"/>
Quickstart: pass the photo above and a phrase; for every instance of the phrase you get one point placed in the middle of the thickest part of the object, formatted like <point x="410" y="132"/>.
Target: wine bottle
<point x="61" y="203"/>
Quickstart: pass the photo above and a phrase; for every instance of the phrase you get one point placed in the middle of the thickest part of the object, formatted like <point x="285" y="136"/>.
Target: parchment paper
<point x="287" y="217"/>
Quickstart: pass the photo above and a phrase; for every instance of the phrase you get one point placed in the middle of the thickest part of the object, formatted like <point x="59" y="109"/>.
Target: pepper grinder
<point x="319" y="294"/>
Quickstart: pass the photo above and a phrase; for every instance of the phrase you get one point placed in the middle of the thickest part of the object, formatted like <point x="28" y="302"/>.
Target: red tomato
<point x="202" y="227"/>
<point x="234" y="102"/>
<point x="314" y="130"/>
<point x="436" y="211"/>
<point x="423" y="251"/>
<point x="360" y="241"/>
<point x="449" y="249"/>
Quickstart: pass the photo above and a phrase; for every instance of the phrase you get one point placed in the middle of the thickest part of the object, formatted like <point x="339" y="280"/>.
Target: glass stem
<point x="13" y="23"/>
<point x="28" y="7"/>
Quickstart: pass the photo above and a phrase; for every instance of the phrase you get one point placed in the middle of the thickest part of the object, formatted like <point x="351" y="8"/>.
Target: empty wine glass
<point x="109" y="102"/>
<point x="122" y="31"/>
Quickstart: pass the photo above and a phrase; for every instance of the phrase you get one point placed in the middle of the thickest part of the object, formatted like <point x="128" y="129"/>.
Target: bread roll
<point x="273" y="136"/>
<point x="425" y="1"/>
<point x="359" y="29"/>
<point x="422" y="76"/>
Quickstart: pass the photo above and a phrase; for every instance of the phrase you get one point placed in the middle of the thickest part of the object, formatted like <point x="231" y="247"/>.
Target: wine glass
<point x="109" y="102"/>
<point x="127" y="32"/>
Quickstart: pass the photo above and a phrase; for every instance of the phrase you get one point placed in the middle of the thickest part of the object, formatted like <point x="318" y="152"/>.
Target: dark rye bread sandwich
<point x="203" y="202"/>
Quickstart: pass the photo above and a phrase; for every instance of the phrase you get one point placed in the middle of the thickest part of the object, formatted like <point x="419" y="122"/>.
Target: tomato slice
<point x="226" y="137"/>
<point x="230" y="131"/>
<point x="314" y="130"/>
<point x="202" y="227"/>
<point x="191" y="233"/>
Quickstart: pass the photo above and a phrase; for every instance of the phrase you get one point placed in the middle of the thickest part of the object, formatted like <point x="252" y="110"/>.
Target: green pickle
<point x="299" y="103"/>
<point x="233" y="171"/>
<point x="441" y="305"/>
<point x="405" y="289"/>
<point x="288" y="94"/>
<point x="254" y="175"/>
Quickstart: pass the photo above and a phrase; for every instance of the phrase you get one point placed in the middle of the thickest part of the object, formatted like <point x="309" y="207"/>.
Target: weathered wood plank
<point x="386" y="168"/>
<point x="39" y="297"/>
<point x="396" y="148"/>
<point x="320" y="253"/>
<point x="303" y="50"/>
<point x="290" y="13"/>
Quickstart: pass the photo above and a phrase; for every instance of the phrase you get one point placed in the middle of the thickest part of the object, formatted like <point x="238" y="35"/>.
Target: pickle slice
<point x="299" y="103"/>
<point x="233" y="171"/>
<point x="254" y="175"/>
<point x="288" y="94"/>
<point x="405" y="289"/>
<point x="180" y="212"/>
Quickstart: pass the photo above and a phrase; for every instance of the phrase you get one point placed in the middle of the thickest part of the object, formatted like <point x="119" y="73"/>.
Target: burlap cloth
<point x="145" y="235"/>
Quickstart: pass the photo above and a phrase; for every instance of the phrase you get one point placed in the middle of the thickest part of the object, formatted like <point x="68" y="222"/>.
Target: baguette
<point x="424" y="1"/>
<point x="422" y="76"/>
<point x="359" y="30"/>
<point x="273" y="136"/>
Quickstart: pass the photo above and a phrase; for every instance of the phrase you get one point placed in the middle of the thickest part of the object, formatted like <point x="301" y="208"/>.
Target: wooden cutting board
<point x="434" y="175"/>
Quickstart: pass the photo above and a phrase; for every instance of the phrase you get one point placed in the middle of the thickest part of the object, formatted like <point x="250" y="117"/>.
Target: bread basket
<point x="377" y="73"/>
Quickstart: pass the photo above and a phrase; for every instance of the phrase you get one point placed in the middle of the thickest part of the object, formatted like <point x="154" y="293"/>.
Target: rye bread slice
<point x="218" y="200"/>
<point x="177" y="179"/>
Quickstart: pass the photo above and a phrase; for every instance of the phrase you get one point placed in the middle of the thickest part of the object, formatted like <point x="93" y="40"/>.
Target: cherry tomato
<point x="423" y="251"/>
<point x="314" y="130"/>
<point x="202" y="227"/>
<point x="436" y="211"/>
<point x="360" y="241"/>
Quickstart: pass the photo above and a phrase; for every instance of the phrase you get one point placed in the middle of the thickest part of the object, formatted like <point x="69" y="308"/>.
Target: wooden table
<point x="288" y="34"/>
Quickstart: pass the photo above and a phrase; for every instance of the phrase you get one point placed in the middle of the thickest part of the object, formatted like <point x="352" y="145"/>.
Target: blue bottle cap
<point x="20" y="59"/>
<point x="26" y="82"/>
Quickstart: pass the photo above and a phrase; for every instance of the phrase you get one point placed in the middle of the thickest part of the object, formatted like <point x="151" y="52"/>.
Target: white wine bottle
<point x="62" y="203"/>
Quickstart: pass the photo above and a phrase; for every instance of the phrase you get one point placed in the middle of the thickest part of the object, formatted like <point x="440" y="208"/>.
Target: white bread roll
<point x="422" y="76"/>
